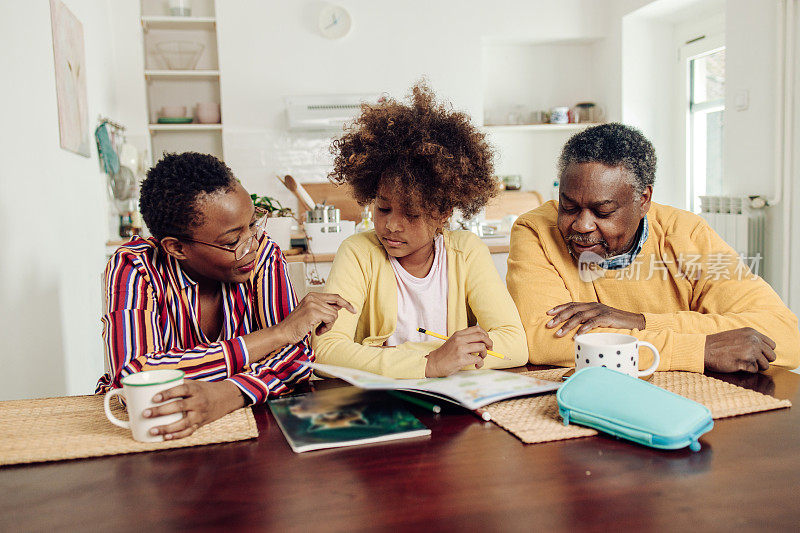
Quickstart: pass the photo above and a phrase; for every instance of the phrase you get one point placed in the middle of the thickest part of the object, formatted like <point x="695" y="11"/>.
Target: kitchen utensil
<point x="180" y="55"/>
<point x="326" y="237"/>
<point x="512" y="182"/>
<point x="323" y="213"/>
<point x="306" y="202"/>
<point x="105" y="148"/>
<point x="180" y="8"/>
<point x="559" y="115"/>
<point x="207" y="113"/>
<point x="588" y="112"/>
<point x="129" y="157"/>
<point x="175" y="120"/>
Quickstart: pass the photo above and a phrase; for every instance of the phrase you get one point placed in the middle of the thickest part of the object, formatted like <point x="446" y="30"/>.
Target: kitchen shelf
<point x="181" y="74"/>
<point x="541" y="127"/>
<point x="186" y="87"/>
<point x="184" y="127"/>
<point x="172" y="23"/>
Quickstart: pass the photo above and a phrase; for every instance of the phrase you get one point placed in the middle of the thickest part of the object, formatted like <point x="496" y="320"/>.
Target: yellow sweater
<point x="679" y="309"/>
<point x="361" y="274"/>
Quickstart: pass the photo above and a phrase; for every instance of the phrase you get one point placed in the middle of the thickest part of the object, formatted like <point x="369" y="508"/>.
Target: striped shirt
<point x="152" y="322"/>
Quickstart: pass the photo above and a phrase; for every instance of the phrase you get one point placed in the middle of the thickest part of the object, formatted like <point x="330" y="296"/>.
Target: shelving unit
<point x="180" y="74"/>
<point x="546" y="74"/>
<point x="157" y="22"/>
<point x="185" y="127"/>
<point x="540" y="127"/>
<point x="170" y="87"/>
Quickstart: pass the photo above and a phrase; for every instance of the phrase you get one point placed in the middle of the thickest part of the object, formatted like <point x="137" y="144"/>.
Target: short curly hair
<point x="435" y="155"/>
<point x="614" y="145"/>
<point x="169" y="194"/>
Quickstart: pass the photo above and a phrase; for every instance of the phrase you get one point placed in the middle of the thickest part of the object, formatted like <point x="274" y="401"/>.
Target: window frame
<point x="686" y="53"/>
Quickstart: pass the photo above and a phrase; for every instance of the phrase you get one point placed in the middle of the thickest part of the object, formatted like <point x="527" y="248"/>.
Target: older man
<point x="607" y="257"/>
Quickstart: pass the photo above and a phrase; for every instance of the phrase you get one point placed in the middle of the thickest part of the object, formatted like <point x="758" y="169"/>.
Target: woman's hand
<point x="317" y="312"/>
<point x="465" y="347"/>
<point x="200" y="402"/>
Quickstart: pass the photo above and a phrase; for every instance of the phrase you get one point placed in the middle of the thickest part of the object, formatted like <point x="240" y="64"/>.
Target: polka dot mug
<point x="613" y="350"/>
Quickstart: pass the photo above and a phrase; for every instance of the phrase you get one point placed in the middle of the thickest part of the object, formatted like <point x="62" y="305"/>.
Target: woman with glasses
<point x="208" y="294"/>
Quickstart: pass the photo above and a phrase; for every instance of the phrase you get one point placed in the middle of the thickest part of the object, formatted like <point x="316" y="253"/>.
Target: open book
<point x="469" y="388"/>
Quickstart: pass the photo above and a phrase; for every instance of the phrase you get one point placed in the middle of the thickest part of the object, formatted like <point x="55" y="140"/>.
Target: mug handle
<point x="107" y="405"/>
<point x="656" y="358"/>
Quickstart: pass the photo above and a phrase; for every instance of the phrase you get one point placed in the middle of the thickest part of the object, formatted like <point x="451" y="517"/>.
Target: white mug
<point x="613" y="350"/>
<point x="138" y="390"/>
<point x="559" y="115"/>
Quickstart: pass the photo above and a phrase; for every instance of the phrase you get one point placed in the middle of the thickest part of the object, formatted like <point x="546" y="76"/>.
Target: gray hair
<point x="614" y="145"/>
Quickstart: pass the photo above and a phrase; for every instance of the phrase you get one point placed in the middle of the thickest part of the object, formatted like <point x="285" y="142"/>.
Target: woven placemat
<point x="72" y="427"/>
<point x="536" y="419"/>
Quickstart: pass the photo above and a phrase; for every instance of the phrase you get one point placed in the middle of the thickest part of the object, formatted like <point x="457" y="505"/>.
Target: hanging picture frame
<point x="70" y="69"/>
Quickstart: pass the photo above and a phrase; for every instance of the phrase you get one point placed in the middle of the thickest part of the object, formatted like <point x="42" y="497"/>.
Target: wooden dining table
<point x="468" y="475"/>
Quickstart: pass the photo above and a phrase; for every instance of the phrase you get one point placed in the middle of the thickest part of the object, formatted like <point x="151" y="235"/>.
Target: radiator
<point x="740" y="225"/>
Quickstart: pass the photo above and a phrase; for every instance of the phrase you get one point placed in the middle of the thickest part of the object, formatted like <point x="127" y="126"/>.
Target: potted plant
<point x="279" y="219"/>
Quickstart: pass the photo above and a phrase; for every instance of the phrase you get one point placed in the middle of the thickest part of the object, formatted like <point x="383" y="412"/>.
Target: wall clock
<point x="334" y="21"/>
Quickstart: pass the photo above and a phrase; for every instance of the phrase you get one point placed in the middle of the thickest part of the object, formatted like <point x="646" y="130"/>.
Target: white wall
<point x="53" y="222"/>
<point x="648" y="69"/>
<point x="270" y="49"/>
<point x="794" y="223"/>
<point x="651" y="77"/>
<point x="749" y="143"/>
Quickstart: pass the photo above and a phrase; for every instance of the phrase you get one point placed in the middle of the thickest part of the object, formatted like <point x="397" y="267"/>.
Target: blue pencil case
<point x="632" y="409"/>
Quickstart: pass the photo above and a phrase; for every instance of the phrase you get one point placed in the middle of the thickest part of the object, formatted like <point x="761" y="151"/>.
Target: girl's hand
<point x="200" y="402"/>
<point x="465" y="347"/>
<point x="316" y="312"/>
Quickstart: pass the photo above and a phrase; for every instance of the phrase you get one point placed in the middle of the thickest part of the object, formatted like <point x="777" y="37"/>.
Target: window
<point x="704" y="63"/>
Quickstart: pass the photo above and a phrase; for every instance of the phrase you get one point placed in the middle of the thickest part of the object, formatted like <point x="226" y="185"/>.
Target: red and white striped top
<point x="152" y="322"/>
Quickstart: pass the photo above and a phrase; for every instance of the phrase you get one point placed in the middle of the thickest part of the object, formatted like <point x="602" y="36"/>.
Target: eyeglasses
<point x="244" y="247"/>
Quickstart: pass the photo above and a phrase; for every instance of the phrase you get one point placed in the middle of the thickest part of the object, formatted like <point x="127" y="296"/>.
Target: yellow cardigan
<point x="679" y="310"/>
<point x="361" y="274"/>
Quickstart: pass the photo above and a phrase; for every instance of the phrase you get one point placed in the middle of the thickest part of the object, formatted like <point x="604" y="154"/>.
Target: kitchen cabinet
<point x="169" y="83"/>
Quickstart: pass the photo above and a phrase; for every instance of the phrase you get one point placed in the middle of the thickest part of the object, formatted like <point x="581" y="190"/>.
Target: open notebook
<point x="469" y="388"/>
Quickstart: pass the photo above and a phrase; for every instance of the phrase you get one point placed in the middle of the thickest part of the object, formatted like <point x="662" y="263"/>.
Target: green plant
<point x="270" y="206"/>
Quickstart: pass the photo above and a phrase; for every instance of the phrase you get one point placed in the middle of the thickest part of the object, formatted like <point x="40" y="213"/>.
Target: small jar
<point x="366" y="223"/>
<point x="512" y="182"/>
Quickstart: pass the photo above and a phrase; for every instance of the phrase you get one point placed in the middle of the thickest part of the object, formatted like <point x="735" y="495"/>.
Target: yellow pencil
<point x="438" y="336"/>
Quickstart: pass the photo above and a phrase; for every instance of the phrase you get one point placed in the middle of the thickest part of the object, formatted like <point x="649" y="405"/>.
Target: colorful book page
<point x="343" y="416"/>
<point x="470" y="388"/>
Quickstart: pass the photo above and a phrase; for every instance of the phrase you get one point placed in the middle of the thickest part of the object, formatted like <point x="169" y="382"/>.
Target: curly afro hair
<point x="170" y="192"/>
<point x="614" y="145"/>
<point x="434" y="155"/>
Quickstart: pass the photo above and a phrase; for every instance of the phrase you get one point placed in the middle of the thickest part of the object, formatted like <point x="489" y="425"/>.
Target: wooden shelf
<point x="541" y="127"/>
<point x="175" y="23"/>
<point x="184" y="127"/>
<point x="181" y="74"/>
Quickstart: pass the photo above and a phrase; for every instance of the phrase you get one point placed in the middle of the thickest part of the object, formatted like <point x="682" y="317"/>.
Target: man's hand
<point x="590" y="315"/>
<point x="465" y="347"/>
<point x="317" y="312"/>
<point x="200" y="402"/>
<point x="743" y="349"/>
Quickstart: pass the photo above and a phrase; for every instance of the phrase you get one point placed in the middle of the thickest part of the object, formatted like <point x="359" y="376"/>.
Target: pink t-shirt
<point x="421" y="302"/>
